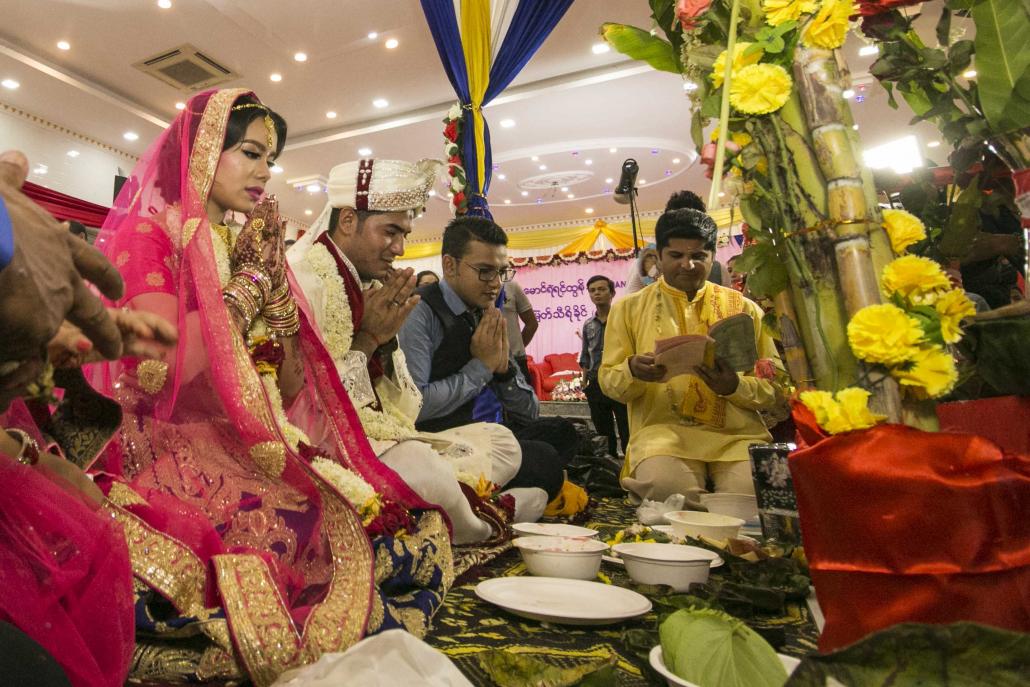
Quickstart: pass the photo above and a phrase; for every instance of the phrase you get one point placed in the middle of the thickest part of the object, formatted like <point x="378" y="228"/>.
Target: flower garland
<point x="379" y="516"/>
<point x="454" y="123"/>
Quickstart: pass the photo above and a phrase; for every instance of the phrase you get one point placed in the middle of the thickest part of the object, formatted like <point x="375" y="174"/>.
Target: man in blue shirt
<point x="456" y="345"/>
<point x="604" y="412"/>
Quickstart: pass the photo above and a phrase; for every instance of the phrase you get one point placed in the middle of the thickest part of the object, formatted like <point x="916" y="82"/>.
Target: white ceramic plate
<point x="658" y="663"/>
<point x="563" y="601"/>
<point x="616" y="560"/>
<point x="555" y="529"/>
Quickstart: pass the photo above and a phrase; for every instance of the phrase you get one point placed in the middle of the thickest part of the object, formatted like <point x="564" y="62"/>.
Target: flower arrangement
<point x="453" y="125"/>
<point x="569" y="390"/>
<point x="846" y="411"/>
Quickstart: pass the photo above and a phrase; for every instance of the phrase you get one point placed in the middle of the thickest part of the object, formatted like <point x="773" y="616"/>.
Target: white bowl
<point x="692" y="523"/>
<point x="577" y="558"/>
<point x="658" y="663"/>
<point x="552" y="529"/>
<point x="743" y="506"/>
<point x="674" y="565"/>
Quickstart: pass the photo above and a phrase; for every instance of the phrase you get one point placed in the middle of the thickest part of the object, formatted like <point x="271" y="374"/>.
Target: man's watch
<point x="507" y="375"/>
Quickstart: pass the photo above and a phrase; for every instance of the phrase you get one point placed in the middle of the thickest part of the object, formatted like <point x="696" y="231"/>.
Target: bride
<point x="262" y="534"/>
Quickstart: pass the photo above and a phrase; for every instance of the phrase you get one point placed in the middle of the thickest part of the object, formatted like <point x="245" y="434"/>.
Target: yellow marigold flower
<point x="779" y="11"/>
<point x="828" y="28"/>
<point x="884" y="334"/>
<point x="903" y="228"/>
<point x="741" y="138"/>
<point x="739" y="60"/>
<point x="762" y="166"/>
<point x="914" y="277"/>
<point x="760" y="88"/>
<point x="932" y="374"/>
<point x="854" y="407"/>
<point x="953" y="307"/>
<point x="821" y="404"/>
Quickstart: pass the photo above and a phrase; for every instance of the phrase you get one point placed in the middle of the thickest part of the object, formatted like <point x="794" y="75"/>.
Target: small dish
<point x="692" y="523"/>
<point x="576" y="558"/>
<point x="743" y="506"/>
<point x="674" y="565"/>
<point x="657" y="662"/>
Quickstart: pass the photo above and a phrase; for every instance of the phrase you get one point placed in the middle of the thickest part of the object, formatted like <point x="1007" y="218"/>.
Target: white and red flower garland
<point x="455" y="122"/>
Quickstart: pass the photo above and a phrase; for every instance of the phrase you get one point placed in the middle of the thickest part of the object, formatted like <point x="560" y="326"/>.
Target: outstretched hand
<point x="143" y="335"/>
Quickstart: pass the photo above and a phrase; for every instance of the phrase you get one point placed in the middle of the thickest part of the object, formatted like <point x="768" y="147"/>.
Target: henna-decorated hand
<point x="262" y="242"/>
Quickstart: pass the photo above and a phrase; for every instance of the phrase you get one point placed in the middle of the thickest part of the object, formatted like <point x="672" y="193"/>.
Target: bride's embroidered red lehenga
<point x="245" y="557"/>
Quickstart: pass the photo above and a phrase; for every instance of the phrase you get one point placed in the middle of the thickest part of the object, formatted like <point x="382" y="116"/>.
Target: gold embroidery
<point x="122" y="259"/>
<point x="144" y="227"/>
<point x="270" y="456"/>
<point x="165" y="564"/>
<point x="189" y="229"/>
<point x="377" y="615"/>
<point x="207" y="147"/>
<point x="152" y="375"/>
<point x="122" y="496"/>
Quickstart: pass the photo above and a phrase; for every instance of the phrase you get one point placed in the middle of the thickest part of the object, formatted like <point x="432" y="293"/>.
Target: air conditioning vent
<point x="186" y="69"/>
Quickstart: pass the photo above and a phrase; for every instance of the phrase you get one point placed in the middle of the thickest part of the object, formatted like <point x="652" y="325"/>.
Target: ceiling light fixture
<point x="308" y="212"/>
<point x="969" y="73"/>
<point x="643" y="181"/>
<point x="535" y="158"/>
<point x="525" y="193"/>
<point x="613" y="150"/>
<point x="64" y="45"/>
<point x="432" y="192"/>
<point x="276" y="169"/>
<point x="73" y="153"/>
<point x="364" y="152"/>
<point x="330" y="114"/>
<point x="848" y="94"/>
<point x="571" y="196"/>
<point x="543" y="168"/>
<point x="275" y="76"/>
<point x="600" y="48"/>
<point x="675" y="160"/>
<point x="588" y="162"/>
<point x="41" y="170"/>
<point x="590" y="211"/>
<point x="507" y="201"/>
<point x="867" y="50"/>
<point x="722" y="194"/>
<point x="392" y="43"/>
<point x="380" y="103"/>
<point x="933" y="144"/>
<point x="313" y="188"/>
<point x="855" y="127"/>
<point x="130" y="136"/>
<point x="564" y="189"/>
<point x="507" y="123"/>
<point x="502" y="177"/>
<point x="9" y="84"/>
<point x="164" y="4"/>
<point x="300" y="56"/>
<point x="180" y="105"/>
<point x="609" y="180"/>
<point x="372" y="35"/>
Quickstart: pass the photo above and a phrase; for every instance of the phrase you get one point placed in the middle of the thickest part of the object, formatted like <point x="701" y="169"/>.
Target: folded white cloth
<point x="530" y="503"/>
<point x="653" y="512"/>
<point x="392" y="658"/>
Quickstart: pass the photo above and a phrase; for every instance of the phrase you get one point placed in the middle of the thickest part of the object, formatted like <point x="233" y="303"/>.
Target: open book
<point x="732" y="339"/>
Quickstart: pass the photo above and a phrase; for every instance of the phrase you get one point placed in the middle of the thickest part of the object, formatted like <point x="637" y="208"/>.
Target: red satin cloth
<point x="65" y="207"/>
<point x="901" y="525"/>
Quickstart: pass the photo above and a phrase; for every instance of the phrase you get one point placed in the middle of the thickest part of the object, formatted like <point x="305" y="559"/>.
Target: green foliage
<point x="641" y="45"/>
<point x="509" y="669"/>
<point x="1002" y="39"/>
<point x="766" y="272"/>
<point x="964" y="222"/>
<point x="770" y="39"/>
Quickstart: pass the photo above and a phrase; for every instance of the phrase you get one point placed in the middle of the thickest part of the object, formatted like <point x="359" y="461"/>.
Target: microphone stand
<point x="633" y="219"/>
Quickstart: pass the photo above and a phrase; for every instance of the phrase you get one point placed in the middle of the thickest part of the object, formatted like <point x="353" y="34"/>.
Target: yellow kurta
<point x="656" y="422"/>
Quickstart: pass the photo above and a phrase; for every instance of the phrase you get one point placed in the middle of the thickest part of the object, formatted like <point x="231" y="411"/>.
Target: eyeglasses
<point x="488" y="274"/>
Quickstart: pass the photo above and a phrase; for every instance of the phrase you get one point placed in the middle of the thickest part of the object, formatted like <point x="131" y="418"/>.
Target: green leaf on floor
<point x="517" y="670"/>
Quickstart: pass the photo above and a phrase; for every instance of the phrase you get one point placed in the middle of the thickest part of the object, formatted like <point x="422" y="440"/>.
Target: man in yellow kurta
<point x="696" y="427"/>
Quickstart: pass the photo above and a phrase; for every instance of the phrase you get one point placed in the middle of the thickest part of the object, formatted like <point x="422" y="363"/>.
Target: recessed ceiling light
<point x="364" y="152"/>
<point x="600" y="48"/>
<point x="276" y="169"/>
<point x="130" y="136"/>
<point x="539" y="201"/>
<point x="654" y="151"/>
<point x="867" y="50"/>
<point x="380" y="103"/>
<point x="722" y="194"/>
<point x="848" y="94"/>
<point x="164" y="4"/>
<point x="543" y="168"/>
<point x="525" y="193"/>
<point x="588" y="162"/>
<point x="613" y="150"/>
<point x="855" y="127"/>
<point x="313" y="188"/>
<point x="73" y="153"/>
<point x="392" y="43"/>
<point x="507" y="123"/>
<point x="41" y="169"/>
<point x="507" y="201"/>
<point x="9" y="84"/>
<point x="675" y="160"/>
<point x="300" y="56"/>
<point x="590" y="211"/>
<point x="564" y="189"/>
<point x="933" y="144"/>
<point x="502" y="177"/>
<point x="969" y="73"/>
<point x="180" y="105"/>
<point x="643" y="181"/>
<point x="372" y="35"/>
<point x="609" y="180"/>
<point x="432" y="192"/>
<point x="571" y="195"/>
<point x="689" y="86"/>
<point x="308" y="212"/>
<point x="64" y="45"/>
<point x="330" y="115"/>
<point x="275" y="76"/>
<point x="535" y="158"/>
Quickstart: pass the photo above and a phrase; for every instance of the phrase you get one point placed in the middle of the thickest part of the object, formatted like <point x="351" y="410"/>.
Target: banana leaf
<point x="641" y="45"/>
<point x="910" y="655"/>
<point x="1003" y="76"/>
<point x="509" y="669"/>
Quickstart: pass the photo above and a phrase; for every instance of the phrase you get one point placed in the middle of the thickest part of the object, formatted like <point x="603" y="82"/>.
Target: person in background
<point x="425" y="278"/>
<point x="645" y="270"/>
<point x="737" y="279"/>
<point x="517" y="307"/>
<point x="78" y="230"/>
<point x="455" y="342"/>
<point x="692" y="428"/>
<point x="604" y="412"/>
<point x="692" y="201"/>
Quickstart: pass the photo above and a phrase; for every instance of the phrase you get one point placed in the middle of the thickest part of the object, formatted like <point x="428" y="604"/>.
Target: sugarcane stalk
<point x="850" y="219"/>
<point x="724" y="107"/>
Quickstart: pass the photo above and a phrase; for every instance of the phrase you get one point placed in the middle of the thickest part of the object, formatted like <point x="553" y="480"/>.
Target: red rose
<point x="868" y="8"/>
<point x="689" y="10"/>
<point x="450" y="132"/>
<point x="459" y="199"/>
<point x="392" y="519"/>
<point x="453" y="171"/>
<point x="764" y="369"/>
<point x="269" y="351"/>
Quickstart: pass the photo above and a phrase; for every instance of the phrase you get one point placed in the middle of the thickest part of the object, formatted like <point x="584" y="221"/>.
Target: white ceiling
<point x="569" y="104"/>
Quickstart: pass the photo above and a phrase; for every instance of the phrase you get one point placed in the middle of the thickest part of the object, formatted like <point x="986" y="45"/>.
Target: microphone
<point x="627" y="182"/>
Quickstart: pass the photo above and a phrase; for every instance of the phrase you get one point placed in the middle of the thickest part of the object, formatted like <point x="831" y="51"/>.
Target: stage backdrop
<point x="559" y="297"/>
